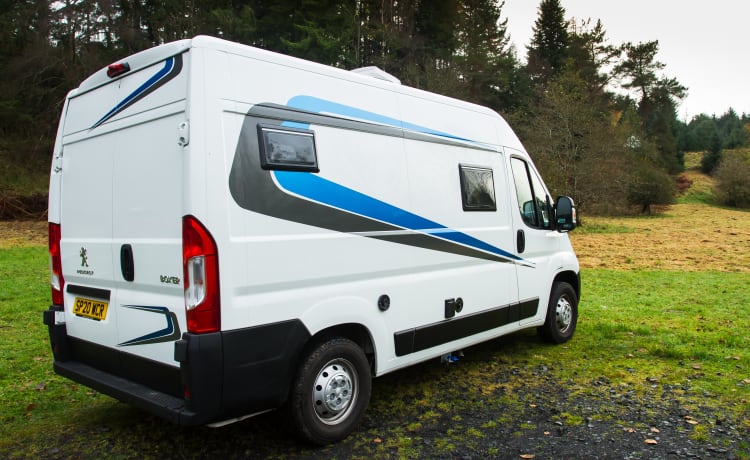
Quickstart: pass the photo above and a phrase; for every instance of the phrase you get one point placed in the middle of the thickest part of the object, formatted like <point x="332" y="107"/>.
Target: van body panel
<point x="378" y="212"/>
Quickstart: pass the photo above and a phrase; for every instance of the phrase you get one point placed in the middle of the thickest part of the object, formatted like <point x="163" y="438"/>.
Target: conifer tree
<point x="325" y="32"/>
<point x="591" y="54"/>
<point x="548" y="49"/>
<point x="713" y="156"/>
<point x="731" y="130"/>
<point x="488" y="66"/>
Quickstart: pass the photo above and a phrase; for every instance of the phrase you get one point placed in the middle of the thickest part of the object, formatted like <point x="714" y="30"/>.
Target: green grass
<point x="637" y="330"/>
<point x="32" y="398"/>
<point x="663" y="325"/>
<point x="598" y="226"/>
<point x="22" y="276"/>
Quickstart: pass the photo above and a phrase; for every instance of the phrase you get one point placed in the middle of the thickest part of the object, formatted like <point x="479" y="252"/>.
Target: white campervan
<point x="234" y="230"/>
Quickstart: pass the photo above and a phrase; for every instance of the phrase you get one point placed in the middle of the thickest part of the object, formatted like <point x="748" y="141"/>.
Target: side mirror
<point x="565" y="214"/>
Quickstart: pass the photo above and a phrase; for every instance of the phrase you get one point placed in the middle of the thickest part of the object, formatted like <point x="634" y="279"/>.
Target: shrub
<point x="732" y="184"/>
<point x="649" y="186"/>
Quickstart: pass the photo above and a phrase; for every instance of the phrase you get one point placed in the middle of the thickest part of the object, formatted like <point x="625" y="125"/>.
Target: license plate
<point x="94" y="309"/>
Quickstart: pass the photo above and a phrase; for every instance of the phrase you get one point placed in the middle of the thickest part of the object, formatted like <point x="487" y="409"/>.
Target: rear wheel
<point x="331" y="391"/>
<point x="562" y="314"/>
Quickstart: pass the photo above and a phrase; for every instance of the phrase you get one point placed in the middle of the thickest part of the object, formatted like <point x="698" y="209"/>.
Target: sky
<point x="701" y="43"/>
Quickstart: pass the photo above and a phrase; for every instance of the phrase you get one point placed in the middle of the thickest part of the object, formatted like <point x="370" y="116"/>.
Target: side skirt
<point x="431" y="335"/>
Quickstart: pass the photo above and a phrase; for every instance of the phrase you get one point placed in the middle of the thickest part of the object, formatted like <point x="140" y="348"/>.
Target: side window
<point x="477" y="188"/>
<point x="533" y="203"/>
<point x="288" y="149"/>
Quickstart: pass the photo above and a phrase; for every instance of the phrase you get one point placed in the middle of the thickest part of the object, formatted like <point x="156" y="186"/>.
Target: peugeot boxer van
<point x="233" y="231"/>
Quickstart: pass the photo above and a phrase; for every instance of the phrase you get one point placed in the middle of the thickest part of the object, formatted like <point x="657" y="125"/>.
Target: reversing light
<point x="195" y="293"/>
<point x="120" y="68"/>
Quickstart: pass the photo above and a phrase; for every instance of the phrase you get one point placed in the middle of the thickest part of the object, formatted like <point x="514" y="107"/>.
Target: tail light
<point x="200" y="261"/>
<point x="57" y="282"/>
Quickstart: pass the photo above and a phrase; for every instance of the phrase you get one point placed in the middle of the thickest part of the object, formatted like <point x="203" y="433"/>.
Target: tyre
<point x="330" y="392"/>
<point x="562" y="314"/>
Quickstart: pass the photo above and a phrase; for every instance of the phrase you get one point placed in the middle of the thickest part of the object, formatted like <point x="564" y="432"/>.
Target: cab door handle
<point x="520" y="241"/>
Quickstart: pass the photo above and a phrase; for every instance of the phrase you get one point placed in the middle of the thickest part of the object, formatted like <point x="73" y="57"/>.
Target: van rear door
<point x="121" y="212"/>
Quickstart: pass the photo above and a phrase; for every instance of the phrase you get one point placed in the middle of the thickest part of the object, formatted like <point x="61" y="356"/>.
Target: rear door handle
<point x="126" y="262"/>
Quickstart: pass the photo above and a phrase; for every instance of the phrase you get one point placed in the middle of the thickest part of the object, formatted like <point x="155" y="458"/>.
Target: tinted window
<point x="477" y="188"/>
<point x="287" y="148"/>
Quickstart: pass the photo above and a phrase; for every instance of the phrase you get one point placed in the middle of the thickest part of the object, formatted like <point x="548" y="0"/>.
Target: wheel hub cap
<point x="333" y="392"/>
<point x="564" y="314"/>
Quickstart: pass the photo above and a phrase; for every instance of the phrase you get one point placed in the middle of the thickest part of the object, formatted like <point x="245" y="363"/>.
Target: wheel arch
<point x="562" y="312"/>
<point x="357" y="333"/>
<point x="570" y="277"/>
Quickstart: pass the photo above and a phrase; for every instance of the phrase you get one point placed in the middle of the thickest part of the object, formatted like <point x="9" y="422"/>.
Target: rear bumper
<point x="161" y="404"/>
<point x="220" y="376"/>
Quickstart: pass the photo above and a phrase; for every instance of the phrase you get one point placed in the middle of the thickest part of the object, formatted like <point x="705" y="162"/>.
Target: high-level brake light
<point x="120" y="68"/>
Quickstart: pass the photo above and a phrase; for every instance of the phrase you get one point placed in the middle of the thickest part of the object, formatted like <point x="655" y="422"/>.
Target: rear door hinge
<point x="183" y="134"/>
<point x="57" y="162"/>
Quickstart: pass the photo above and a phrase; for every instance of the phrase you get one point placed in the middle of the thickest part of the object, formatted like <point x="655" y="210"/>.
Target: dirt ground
<point x="686" y="237"/>
<point x="22" y="233"/>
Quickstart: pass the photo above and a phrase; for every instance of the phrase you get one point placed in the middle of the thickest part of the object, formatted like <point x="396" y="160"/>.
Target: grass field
<point x="664" y="306"/>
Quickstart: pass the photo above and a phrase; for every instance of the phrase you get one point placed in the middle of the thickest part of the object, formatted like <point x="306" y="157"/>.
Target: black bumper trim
<point x="161" y="404"/>
<point x="221" y="375"/>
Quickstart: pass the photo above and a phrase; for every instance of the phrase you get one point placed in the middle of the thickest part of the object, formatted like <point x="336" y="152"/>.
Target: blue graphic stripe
<point x="168" y="66"/>
<point x="318" y="189"/>
<point x="295" y="124"/>
<point x="167" y="331"/>
<point x="316" y="105"/>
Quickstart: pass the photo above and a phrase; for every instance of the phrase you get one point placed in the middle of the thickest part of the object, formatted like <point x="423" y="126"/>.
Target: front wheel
<point x="331" y="391"/>
<point x="562" y="314"/>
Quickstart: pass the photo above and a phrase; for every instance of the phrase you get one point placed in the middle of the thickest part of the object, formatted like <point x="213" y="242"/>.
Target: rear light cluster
<point x="200" y="263"/>
<point x="57" y="282"/>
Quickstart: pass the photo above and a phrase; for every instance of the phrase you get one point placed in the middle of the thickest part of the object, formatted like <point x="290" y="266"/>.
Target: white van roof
<point x="136" y="61"/>
<point x="370" y="76"/>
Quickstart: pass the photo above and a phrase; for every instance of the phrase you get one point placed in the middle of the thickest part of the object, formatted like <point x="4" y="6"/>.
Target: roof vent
<point x="376" y="72"/>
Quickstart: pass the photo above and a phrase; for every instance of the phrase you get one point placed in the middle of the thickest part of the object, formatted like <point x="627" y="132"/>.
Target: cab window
<point x="533" y="202"/>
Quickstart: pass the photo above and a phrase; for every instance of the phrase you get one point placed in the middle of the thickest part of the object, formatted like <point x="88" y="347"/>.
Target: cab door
<point x="536" y="240"/>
